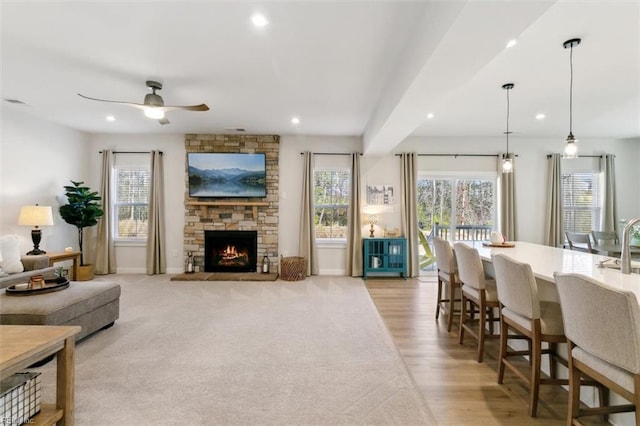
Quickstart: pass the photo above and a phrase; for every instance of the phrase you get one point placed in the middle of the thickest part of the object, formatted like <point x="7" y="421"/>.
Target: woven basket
<point x="293" y="268"/>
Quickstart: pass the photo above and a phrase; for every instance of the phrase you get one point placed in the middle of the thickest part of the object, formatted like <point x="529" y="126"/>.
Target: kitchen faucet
<point x="625" y="260"/>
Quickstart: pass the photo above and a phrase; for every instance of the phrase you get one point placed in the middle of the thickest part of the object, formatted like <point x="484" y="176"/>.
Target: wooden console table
<point x="66" y="255"/>
<point x="23" y="345"/>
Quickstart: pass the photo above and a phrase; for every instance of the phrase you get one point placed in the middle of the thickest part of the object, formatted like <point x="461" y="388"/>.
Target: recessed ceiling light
<point x="540" y="116"/>
<point x="512" y="42"/>
<point x="259" y="20"/>
<point x="430" y="115"/>
<point x="295" y="120"/>
<point x="110" y="118"/>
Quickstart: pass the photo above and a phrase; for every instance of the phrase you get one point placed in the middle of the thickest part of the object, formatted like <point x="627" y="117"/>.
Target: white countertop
<point x="545" y="260"/>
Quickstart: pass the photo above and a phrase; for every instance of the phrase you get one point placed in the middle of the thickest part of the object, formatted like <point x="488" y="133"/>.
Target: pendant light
<point x="507" y="162"/>
<point x="571" y="146"/>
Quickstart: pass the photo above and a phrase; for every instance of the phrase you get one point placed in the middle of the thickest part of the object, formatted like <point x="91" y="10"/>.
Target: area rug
<point x="312" y="352"/>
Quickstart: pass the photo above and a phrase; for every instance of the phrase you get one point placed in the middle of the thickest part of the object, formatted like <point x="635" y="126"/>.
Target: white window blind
<point x="132" y="185"/>
<point x="332" y="191"/>
<point x="581" y="201"/>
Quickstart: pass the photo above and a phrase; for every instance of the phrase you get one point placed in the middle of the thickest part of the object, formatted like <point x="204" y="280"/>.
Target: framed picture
<point x="380" y="194"/>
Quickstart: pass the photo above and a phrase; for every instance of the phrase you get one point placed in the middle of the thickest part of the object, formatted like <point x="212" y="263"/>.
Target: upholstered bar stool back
<point x="523" y="315"/>
<point x="602" y="325"/>
<point x="448" y="283"/>
<point x="479" y="292"/>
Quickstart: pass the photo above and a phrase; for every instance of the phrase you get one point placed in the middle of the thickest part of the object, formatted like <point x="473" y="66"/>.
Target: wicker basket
<point x="293" y="268"/>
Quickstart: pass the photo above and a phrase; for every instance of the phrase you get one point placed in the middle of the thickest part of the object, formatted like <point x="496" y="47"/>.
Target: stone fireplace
<point x="230" y="251"/>
<point x="258" y="215"/>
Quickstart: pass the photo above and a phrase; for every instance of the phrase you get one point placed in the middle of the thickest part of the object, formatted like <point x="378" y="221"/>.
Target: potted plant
<point x="82" y="211"/>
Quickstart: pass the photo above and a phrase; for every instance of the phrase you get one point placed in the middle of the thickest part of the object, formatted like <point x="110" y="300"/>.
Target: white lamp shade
<point x="35" y="216"/>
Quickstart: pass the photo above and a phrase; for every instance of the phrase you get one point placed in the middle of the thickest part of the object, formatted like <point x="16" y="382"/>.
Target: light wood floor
<point x="457" y="388"/>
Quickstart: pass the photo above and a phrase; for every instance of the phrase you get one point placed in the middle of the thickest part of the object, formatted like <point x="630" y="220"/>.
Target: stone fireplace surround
<point x="233" y="214"/>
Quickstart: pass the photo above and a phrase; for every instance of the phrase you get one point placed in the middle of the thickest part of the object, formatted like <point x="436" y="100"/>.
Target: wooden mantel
<point x="204" y="205"/>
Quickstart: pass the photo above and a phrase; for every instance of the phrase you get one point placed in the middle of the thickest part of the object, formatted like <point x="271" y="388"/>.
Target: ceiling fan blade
<point x="164" y="121"/>
<point x="133" y="104"/>
<point x="201" y="107"/>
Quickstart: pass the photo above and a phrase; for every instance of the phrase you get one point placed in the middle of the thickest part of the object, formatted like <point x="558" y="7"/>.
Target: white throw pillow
<point x="10" y="248"/>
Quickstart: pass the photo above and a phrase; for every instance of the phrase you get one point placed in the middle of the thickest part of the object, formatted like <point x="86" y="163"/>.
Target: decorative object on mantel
<point x="571" y="147"/>
<point x="82" y="211"/>
<point x="36" y="216"/>
<point x="507" y="161"/>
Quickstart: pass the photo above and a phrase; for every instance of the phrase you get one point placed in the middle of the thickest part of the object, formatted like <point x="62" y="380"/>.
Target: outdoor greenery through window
<point x="332" y="194"/>
<point x="456" y="209"/>
<point x="131" y="203"/>
<point x="581" y="201"/>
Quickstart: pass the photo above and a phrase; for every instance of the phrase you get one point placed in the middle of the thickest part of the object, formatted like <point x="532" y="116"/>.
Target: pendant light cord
<point x="508" y="123"/>
<point x="571" y="91"/>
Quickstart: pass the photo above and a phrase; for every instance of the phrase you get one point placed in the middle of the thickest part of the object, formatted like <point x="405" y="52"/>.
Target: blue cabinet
<point x="384" y="256"/>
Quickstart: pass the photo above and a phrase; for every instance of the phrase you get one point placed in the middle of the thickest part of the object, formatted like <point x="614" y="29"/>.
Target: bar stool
<point x="535" y="320"/>
<point x="479" y="292"/>
<point x="448" y="282"/>
<point x="603" y="334"/>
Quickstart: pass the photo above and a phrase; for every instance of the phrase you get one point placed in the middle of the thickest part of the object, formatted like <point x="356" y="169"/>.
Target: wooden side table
<point x="23" y="345"/>
<point x="66" y="255"/>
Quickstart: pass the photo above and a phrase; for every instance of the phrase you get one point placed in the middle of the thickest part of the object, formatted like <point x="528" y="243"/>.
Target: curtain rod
<point x="131" y="152"/>
<point x="457" y="155"/>
<point x="331" y="153"/>
<point x="585" y="156"/>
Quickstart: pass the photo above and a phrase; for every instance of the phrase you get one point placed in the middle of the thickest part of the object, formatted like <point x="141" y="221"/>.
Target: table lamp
<point x="36" y="216"/>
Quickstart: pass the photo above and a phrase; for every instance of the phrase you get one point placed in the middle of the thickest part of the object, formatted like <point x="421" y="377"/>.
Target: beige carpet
<point x="312" y="352"/>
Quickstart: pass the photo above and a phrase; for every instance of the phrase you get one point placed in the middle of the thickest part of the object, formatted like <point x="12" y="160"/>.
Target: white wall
<point x="37" y="159"/>
<point x="132" y="258"/>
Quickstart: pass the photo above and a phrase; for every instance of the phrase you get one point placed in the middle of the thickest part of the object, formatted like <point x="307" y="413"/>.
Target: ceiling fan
<point x="153" y="105"/>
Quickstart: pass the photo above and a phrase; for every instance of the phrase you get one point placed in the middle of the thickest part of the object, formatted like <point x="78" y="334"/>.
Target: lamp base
<point x="36" y="252"/>
<point x="371" y="231"/>
<point x="36" y="237"/>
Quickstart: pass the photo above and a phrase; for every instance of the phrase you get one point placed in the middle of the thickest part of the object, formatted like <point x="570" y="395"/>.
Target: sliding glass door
<point x="456" y="208"/>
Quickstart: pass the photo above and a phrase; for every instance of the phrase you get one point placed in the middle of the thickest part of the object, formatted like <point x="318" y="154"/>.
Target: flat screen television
<point x="226" y="175"/>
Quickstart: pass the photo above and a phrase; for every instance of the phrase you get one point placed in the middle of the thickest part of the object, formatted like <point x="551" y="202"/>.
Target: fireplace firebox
<point x="230" y="251"/>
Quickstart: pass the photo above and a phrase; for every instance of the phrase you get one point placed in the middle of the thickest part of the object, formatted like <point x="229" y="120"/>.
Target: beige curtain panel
<point x="105" y="248"/>
<point x="354" y="232"/>
<point x="610" y="212"/>
<point x="508" y="225"/>
<point x="554" y="234"/>
<point x="307" y="241"/>
<point x="156" y="246"/>
<point x="409" y="210"/>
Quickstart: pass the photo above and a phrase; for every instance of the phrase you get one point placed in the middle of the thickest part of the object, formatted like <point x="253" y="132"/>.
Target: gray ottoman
<point x="91" y="305"/>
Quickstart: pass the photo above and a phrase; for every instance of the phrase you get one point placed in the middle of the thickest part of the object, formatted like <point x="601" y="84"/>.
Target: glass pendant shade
<point x="570" y="148"/>
<point x="507" y="165"/>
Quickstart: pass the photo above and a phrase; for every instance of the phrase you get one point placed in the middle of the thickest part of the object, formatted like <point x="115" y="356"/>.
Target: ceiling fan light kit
<point x="571" y="146"/>
<point x="153" y="105"/>
<point x="507" y="161"/>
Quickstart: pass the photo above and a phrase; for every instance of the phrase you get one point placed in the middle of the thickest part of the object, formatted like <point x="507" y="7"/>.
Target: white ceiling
<point x="371" y="68"/>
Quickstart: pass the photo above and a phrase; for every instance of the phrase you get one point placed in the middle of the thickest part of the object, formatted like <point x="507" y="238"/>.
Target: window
<point x="332" y="193"/>
<point x="456" y="208"/>
<point x="581" y="201"/>
<point x="131" y="188"/>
